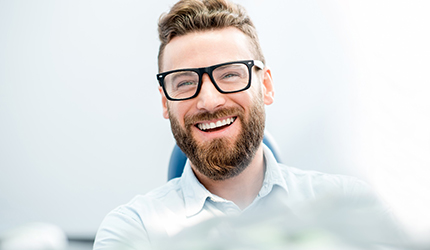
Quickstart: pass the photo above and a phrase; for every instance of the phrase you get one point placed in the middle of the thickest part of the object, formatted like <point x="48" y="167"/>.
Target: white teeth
<point x="212" y="125"/>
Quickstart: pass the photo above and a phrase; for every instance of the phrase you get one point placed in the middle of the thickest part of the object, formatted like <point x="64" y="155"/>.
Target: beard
<point x="222" y="158"/>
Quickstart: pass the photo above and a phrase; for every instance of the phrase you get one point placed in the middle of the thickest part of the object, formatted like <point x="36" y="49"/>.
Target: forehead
<point x="206" y="48"/>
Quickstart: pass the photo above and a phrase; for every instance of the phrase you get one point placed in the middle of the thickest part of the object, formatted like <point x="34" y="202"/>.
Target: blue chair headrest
<point x="178" y="158"/>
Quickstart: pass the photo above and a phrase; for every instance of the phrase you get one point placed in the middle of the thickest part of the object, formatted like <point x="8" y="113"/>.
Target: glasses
<point x="231" y="77"/>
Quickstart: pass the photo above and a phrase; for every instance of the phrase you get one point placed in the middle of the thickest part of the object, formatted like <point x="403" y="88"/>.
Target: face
<point x="235" y="121"/>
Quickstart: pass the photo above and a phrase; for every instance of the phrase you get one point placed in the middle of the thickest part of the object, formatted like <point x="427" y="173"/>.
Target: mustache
<point x="190" y="120"/>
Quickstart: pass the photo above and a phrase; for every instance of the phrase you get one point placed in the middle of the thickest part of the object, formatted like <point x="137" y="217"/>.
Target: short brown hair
<point x="188" y="16"/>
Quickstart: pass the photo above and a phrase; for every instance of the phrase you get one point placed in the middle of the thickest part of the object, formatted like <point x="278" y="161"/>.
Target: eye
<point x="230" y="75"/>
<point x="185" y="83"/>
<point x="182" y="80"/>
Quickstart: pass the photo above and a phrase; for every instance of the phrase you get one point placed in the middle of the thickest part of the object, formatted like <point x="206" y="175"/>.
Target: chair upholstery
<point x="178" y="158"/>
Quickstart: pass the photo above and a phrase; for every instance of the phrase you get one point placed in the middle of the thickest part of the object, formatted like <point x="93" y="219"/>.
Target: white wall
<point x="81" y="130"/>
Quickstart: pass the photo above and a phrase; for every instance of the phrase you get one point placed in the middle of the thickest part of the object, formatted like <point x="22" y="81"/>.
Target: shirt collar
<point x="195" y="194"/>
<point x="273" y="176"/>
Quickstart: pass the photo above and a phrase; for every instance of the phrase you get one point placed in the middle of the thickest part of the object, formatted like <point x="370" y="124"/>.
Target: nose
<point x="209" y="98"/>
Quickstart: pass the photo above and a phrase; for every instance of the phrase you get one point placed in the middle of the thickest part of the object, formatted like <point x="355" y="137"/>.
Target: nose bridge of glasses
<point x="207" y="74"/>
<point x="205" y="79"/>
<point x="209" y="96"/>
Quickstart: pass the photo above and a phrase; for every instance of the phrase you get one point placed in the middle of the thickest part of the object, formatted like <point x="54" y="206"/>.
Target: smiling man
<point x="215" y="102"/>
<point x="214" y="86"/>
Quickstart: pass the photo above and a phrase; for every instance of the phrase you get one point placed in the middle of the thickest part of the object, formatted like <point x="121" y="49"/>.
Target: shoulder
<point x="315" y="182"/>
<point x="143" y="208"/>
<point x="138" y="221"/>
<point x="167" y="195"/>
<point x="331" y="190"/>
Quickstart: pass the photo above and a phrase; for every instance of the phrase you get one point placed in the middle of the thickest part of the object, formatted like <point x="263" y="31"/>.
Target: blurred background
<point x="81" y="129"/>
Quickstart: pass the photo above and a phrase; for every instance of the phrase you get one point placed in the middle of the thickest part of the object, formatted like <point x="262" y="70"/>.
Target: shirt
<point x="184" y="202"/>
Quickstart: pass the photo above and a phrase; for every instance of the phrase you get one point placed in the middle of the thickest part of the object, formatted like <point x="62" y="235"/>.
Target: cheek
<point x="176" y="111"/>
<point x="255" y="93"/>
<point x="245" y="99"/>
<point x="256" y="88"/>
<point x="171" y="111"/>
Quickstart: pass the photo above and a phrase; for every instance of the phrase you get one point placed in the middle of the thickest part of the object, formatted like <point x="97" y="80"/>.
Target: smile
<point x="215" y="125"/>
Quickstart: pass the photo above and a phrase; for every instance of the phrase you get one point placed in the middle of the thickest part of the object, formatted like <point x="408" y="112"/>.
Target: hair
<point x="188" y="16"/>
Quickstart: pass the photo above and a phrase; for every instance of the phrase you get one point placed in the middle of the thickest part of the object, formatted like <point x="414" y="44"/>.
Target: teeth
<point x="212" y="125"/>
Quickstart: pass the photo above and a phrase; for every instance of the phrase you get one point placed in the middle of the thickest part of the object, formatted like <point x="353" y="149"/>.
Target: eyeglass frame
<point x="209" y="70"/>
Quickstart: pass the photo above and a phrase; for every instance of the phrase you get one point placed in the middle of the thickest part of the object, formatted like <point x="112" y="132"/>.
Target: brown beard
<point x="222" y="158"/>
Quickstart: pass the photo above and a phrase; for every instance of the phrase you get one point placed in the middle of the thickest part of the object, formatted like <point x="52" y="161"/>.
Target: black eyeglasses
<point x="230" y="77"/>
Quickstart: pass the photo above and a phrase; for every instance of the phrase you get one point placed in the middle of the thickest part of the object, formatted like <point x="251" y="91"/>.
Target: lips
<point x="209" y="126"/>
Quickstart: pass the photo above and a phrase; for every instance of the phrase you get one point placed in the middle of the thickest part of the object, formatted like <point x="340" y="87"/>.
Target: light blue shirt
<point x="184" y="202"/>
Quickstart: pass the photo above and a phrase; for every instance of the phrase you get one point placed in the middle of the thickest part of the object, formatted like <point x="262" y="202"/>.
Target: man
<point x="214" y="85"/>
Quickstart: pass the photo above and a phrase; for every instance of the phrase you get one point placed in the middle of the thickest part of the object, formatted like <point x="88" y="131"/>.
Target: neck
<point x="241" y="189"/>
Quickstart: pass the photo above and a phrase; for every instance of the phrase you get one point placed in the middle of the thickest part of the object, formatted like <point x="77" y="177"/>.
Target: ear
<point x="268" y="91"/>
<point x="164" y="103"/>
